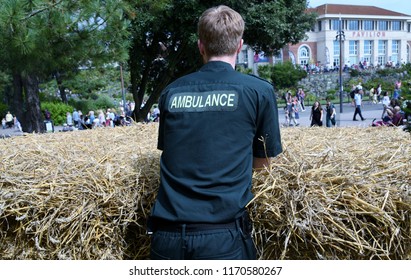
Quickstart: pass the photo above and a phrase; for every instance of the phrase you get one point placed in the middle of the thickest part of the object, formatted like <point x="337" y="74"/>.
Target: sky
<point x="401" y="6"/>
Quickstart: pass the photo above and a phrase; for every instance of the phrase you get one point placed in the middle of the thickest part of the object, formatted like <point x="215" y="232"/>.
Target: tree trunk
<point x="17" y="103"/>
<point x="61" y="87"/>
<point x="33" y="117"/>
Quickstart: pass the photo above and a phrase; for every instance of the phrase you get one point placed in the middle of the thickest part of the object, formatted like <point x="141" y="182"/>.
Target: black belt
<point x="191" y="227"/>
<point x="156" y="224"/>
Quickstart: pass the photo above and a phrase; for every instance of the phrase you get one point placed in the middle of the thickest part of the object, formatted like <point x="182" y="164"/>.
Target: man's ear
<point x="200" y="47"/>
<point x="240" y="46"/>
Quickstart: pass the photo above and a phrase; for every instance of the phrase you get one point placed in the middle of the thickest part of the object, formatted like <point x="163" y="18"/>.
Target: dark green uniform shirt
<point x="212" y="123"/>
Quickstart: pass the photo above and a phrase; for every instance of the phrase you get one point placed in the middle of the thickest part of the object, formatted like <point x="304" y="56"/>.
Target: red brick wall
<point x="294" y="50"/>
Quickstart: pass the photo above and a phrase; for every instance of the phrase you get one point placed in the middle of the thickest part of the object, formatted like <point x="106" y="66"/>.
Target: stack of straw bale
<point x="340" y="193"/>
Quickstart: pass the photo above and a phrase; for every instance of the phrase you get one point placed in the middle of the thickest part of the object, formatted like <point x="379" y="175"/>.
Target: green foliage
<point x="331" y="94"/>
<point x="48" y="92"/>
<point x="58" y="111"/>
<point x="3" y="110"/>
<point x="266" y="72"/>
<point x="310" y="98"/>
<point x="89" y="82"/>
<point x="283" y="75"/>
<point x="5" y="82"/>
<point x="244" y="70"/>
<point x="103" y="102"/>
<point x="85" y="105"/>
<point x="354" y="73"/>
<point x="270" y="33"/>
<point x="269" y="26"/>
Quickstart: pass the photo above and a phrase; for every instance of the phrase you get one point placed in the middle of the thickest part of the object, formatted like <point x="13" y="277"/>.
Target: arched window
<point x="304" y="55"/>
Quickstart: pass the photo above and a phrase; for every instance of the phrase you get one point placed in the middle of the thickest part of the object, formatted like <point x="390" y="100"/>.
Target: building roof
<point x="355" y="10"/>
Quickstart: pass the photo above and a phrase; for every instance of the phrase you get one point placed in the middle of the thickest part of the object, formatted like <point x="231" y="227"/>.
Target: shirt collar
<point x="216" y="66"/>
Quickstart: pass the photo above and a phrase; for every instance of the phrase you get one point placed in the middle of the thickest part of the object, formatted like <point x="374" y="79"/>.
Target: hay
<point x="333" y="194"/>
<point x="336" y="194"/>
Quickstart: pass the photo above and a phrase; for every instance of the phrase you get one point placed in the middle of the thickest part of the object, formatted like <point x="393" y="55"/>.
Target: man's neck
<point x="230" y="59"/>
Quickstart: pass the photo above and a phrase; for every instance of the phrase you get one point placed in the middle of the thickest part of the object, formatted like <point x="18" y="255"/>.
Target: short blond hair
<point x="220" y="30"/>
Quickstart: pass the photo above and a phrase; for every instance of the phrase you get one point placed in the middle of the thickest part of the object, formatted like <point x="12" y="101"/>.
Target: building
<point x="372" y="36"/>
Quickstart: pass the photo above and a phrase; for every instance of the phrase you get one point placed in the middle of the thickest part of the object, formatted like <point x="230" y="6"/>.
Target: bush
<point x="283" y="75"/>
<point x="58" y="111"/>
<point x="86" y="105"/>
<point x="354" y="73"/>
<point x="331" y="94"/>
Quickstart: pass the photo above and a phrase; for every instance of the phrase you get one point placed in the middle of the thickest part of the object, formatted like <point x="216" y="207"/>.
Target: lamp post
<point x="340" y="37"/>
<point x="123" y="92"/>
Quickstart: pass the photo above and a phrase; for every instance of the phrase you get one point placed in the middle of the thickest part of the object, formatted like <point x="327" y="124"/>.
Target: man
<point x="76" y="118"/>
<point x="212" y="124"/>
<point x="330" y="113"/>
<point x="357" y="103"/>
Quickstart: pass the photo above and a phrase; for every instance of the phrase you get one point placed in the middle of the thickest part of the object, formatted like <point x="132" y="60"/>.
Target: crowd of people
<point x="76" y="120"/>
<point x="391" y="115"/>
<point x="295" y="105"/>
<point x="100" y="118"/>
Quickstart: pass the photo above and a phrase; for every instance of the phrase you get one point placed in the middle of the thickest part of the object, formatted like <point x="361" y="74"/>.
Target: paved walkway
<point x="344" y="119"/>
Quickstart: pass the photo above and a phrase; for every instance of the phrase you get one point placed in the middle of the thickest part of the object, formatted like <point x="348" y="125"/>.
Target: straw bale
<point x="340" y="193"/>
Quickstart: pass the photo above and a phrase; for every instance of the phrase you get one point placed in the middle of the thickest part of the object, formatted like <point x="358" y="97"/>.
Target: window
<point x="336" y="61"/>
<point x="336" y="53"/>
<point x="304" y="55"/>
<point x="396" y="25"/>
<point x="395" y="49"/>
<point x="353" y="47"/>
<point x="382" y="25"/>
<point x="368" y="25"/>
<point x="382" y="47"/>
<point x="353" y="25"/>
<point x="278" y="58"/>
<point x="353" y="51"/>
<point x="319" y="26"/>
<point x="337" y="48"/>
<point x="395" y="46"/>
<point x="368" y="47"/>
<point x="335" y="24"/>
<point x="381" y="60"/>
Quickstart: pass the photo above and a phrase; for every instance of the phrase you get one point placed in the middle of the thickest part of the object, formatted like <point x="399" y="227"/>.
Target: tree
<point x="286" y="75"/>
<point x="164" y="41"/>
<point x="42" y="39"/>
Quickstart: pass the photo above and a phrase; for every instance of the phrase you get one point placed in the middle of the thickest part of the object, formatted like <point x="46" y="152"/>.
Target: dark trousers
<point x="185" y="242"/>
<point x="358" y="111"/>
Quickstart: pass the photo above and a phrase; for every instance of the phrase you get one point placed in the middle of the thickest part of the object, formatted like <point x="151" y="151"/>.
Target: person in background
<point x="76" y="118"/>
<point x="357" y="103"/>
<point x="373" y="96"/>
<point x="330" y="113"/>
<point x="17" y="124"/>
<point x="69" y="119"/>
<point x="379" y="93"/>
<point x="301" y="97"/>
<point x="385" y="103"/>
<point x="227" y="125"/>
<point x="9" y="120"/>
<point x="47" y="115"/>
<point x="316" y="116"/>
